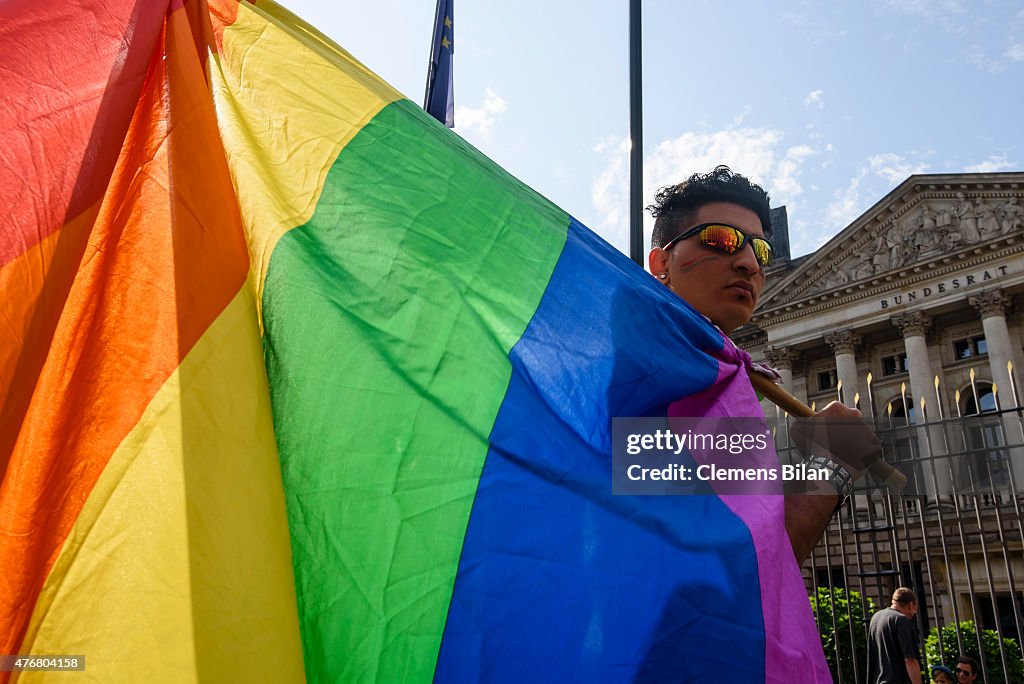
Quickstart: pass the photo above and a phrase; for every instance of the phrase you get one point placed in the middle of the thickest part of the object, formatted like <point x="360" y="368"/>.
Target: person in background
<point x="893" y="656"/>
<point x="967" y="670"/>
<point x="942" y="675"/>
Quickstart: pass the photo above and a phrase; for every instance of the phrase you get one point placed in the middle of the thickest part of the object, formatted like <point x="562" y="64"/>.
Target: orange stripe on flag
<point x="31" y="306"/>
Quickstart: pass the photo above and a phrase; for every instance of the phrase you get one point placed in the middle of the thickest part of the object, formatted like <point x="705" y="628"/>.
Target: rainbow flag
<point x="299" y="385"/>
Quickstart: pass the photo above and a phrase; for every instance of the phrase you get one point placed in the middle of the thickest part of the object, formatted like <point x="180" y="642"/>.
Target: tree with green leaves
<point x="837" y="612"/>
<point x="969" y="638"/>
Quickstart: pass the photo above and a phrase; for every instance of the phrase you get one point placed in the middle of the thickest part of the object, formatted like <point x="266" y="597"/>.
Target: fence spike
<point x="938" y="406"/>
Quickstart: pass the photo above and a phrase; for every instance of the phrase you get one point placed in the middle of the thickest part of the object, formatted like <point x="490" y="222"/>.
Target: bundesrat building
<point x="921" y="284"/>
<point x="914" y="313"/>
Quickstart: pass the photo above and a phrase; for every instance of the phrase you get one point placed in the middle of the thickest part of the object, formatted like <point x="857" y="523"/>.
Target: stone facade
<point x="929" y="264"/>
<point x="910" y="310"/>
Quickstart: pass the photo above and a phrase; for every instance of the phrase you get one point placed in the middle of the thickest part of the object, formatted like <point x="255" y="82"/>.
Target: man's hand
<point x="840" y="433"/>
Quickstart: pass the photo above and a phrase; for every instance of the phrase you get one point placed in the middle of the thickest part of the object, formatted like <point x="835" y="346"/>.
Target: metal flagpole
<point x="432" y="63"/>
<point x="438" y="100"/>
<point x="636" y="172"/>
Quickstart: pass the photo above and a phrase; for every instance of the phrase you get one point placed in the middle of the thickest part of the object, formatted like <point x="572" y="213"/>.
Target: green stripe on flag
<point x="389" y="318"/>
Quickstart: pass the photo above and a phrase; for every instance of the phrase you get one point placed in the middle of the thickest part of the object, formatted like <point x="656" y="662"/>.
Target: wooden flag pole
<point x="793" y="406"/>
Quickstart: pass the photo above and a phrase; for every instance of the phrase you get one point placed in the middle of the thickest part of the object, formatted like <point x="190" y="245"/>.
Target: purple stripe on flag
<point x="789" y="624"/>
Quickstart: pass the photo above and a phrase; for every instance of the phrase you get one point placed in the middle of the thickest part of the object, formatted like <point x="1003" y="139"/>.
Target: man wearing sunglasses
<point x="966" y="669"/>
<point x="710" y="247"/>
<point x="709" y="244"/>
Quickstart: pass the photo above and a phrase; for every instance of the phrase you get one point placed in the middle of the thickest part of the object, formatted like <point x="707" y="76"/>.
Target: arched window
<point x="900" y="442"/>
<point x="986" y="397"/>
<point x="896" y="409"/>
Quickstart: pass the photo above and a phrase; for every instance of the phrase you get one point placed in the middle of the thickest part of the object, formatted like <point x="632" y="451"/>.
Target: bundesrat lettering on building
<point x="943" y="287"/>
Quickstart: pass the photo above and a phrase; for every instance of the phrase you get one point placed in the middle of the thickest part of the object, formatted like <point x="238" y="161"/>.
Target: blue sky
<point x="829" y="105"/>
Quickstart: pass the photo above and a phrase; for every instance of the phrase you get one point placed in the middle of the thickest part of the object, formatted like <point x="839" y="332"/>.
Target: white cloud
<point x="986" y="38"/>
<point x="741" y="117"/>
<point x="751" y="151"/>
<point x="786" y="179"/>
<point x="991" y="165"/>
<point x="894" y="168"/>
<point x="875" y="177"/>
<point x="928" y="9"/>
<point x="977" y="56"/>
<point x="815" y="97"/>
<point x="846" y="204"/>
<point x="477" y="122"/>
<point x="756" y="152"/>
<point x="610" y="192"/>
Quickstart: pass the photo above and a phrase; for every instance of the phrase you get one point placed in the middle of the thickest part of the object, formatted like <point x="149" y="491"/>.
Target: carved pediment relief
<point x="925" y="219"/>
<point x="934" y="229"/>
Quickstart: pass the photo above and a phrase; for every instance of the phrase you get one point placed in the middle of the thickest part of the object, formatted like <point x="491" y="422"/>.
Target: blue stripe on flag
<point x="558" y="579"/>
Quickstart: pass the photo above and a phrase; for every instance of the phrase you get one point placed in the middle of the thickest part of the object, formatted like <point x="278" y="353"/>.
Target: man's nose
<point x="744" y="260"/>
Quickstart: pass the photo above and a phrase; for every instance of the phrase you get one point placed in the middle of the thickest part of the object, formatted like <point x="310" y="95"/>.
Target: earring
<point x="663" y="276"/>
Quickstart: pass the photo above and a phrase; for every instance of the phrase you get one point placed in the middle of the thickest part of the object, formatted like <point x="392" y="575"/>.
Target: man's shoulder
<point x="877" y="619"/>
<point x="888" y="614"/>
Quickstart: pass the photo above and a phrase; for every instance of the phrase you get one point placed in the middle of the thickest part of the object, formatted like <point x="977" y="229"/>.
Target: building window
<point x="972" y="346"/>
<point x="899" y="442"/>
<point x="986" y="397"/>
<point x="985" y="465"/>
<point x="828" y="380"/>
<point x="821" y="577"/>
<point x="897" y="408"/>
<point x="894" y="365"/>
<point x="1004" y="606"/>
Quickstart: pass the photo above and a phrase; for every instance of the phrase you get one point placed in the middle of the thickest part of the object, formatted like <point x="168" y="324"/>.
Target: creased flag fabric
<point x="142" y="517"/>
<point x="440" y="99"/>
<point x="299" y="385"/>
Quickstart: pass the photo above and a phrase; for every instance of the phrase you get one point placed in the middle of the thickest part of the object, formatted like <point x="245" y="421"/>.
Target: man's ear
<point x="657" y="262"/>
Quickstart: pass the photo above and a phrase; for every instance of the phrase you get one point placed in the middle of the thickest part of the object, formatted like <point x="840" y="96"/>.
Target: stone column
<point x="844" y="343"/>
<point x="785" y="360"/>
<point x="993" y="306"/>
<point x="914" y="326"/>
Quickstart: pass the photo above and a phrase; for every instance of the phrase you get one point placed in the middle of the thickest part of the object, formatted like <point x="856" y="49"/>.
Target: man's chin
<point x="732" y="317"/>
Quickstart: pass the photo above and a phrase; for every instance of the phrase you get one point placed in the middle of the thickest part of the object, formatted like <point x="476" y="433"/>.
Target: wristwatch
<point x="839" y="477"/>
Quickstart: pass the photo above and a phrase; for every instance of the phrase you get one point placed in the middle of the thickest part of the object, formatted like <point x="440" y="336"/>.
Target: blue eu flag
<point x="440" y="99"/>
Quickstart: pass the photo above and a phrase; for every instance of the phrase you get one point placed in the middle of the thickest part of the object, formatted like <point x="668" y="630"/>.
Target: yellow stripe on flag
<point x="179" y="566"/>
<point x="279" y="155"/>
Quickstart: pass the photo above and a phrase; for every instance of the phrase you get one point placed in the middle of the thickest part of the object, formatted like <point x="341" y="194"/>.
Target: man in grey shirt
<point x="893" y="657"/>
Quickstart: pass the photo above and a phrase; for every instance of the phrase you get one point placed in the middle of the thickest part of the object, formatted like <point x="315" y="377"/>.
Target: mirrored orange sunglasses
<point x="728" y="239"/>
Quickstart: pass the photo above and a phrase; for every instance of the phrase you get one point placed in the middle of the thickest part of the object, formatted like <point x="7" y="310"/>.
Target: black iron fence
<point x="954" y="535"/>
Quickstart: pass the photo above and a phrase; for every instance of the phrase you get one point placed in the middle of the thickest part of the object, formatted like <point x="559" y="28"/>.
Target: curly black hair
<point x="674" y="204"/>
